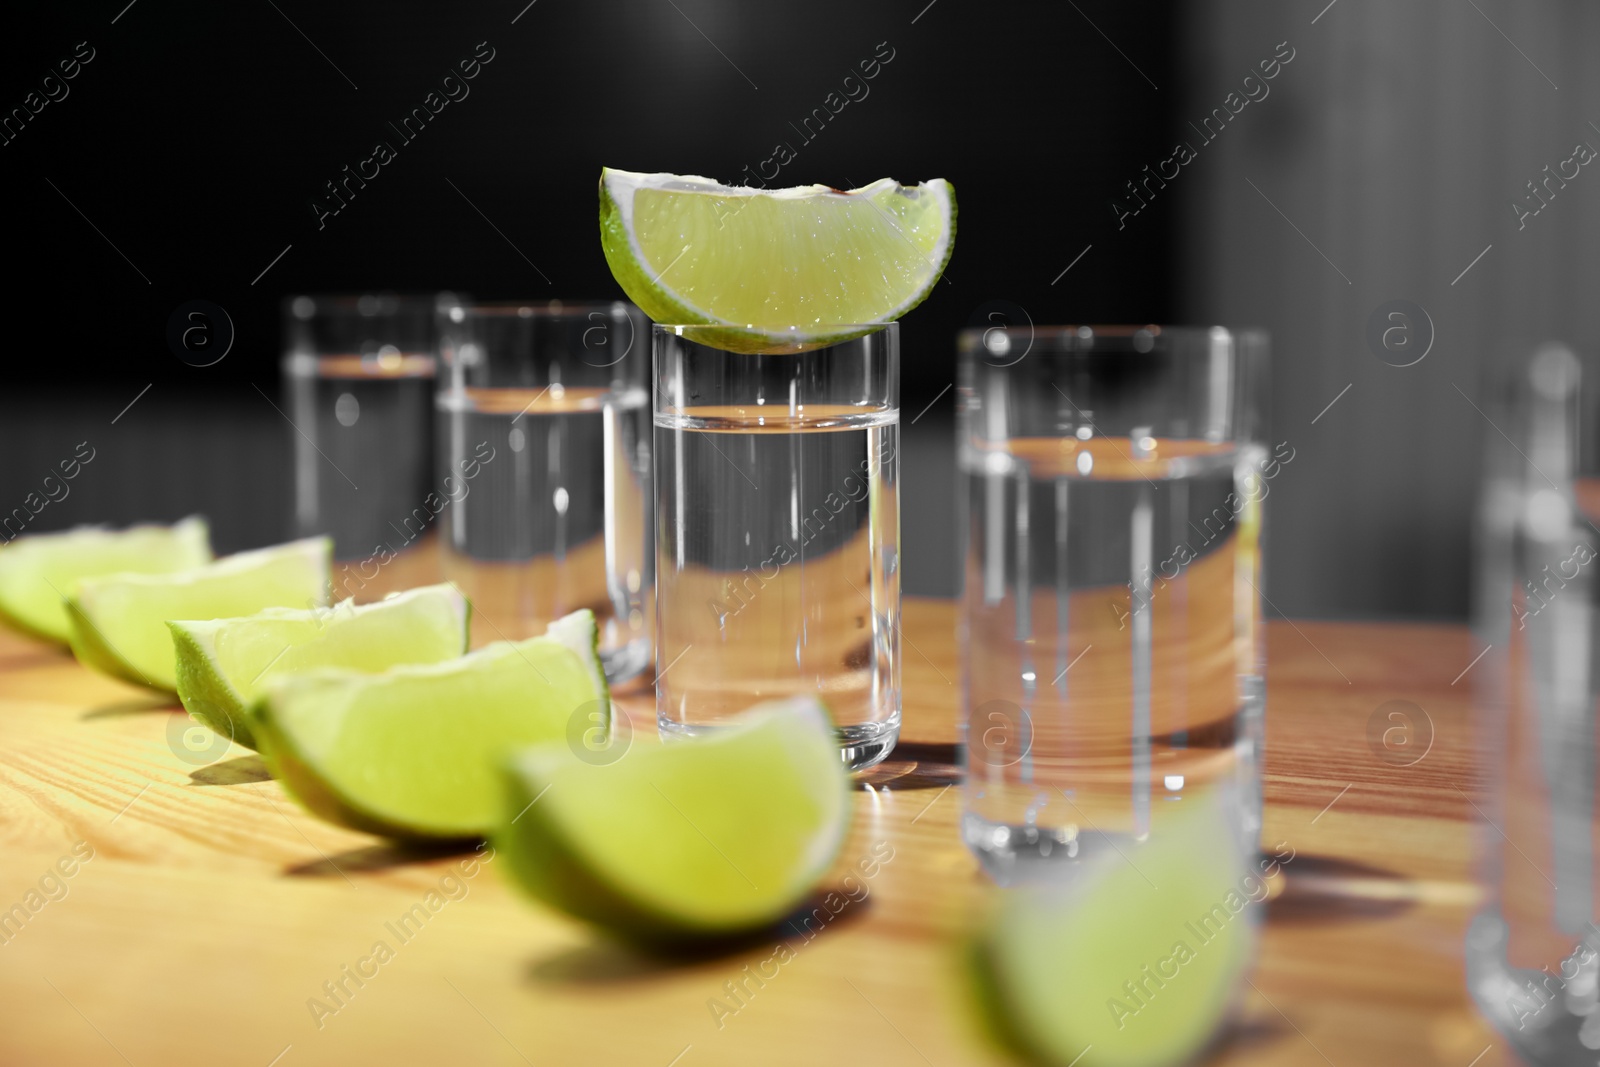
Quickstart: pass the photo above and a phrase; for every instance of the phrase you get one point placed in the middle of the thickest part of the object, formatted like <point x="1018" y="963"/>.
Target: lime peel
<point x="412" y="753"/>
<point x="806" y="266"/>
<point x="37" y="571"/>
<point x="223" y="664"/>
<point x="700" y="838"/>
<point x="119" y="621"/>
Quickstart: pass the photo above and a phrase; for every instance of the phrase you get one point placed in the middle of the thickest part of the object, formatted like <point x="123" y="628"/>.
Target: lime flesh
<point x="413" y="752"/>
<point x="1136" y="961"/>
<point x="696" y="838"/>
<point x="38" y="571"/>
<point x="223" y="664"/>
<point x="799" y="265"/>
<point x="119" y="622"/>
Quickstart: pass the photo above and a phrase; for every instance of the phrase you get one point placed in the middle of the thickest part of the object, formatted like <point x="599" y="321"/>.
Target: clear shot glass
<point x="544" y="448"/>
<point x="1533" y="952"/>
<point x="778" y="547"/>
<point x="1109" y="490"/>
<point x="358" y="375"/>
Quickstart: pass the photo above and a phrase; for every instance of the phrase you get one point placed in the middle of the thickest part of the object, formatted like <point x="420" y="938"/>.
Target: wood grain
<point x="213" y="909"/>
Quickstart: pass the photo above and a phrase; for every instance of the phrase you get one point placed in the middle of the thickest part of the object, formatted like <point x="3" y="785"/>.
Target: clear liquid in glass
<point x="362" y="445"/>
<point x="529" y="539"/>
<point x="1111" y="658"/>
<point x="778" y="568"/>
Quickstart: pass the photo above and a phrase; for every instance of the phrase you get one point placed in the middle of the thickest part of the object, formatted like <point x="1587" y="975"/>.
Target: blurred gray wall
<point x="1392" y="148"/>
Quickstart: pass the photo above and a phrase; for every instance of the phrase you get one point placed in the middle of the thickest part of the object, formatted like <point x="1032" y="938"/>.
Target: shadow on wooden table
<point x="1244" y="1036"/>
<point x="606" y="961"/>
<point x="241" y="770"/>
<point x="1321" y="889"/>
<point x="382" y="856"/>
<point x="135" y="706"/>
<point x="914" y="765"/>
<point x="33" y="655"/>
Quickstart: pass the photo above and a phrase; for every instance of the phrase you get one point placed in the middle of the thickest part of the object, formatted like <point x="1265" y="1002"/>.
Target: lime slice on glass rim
<point x="37" y="570"/>
<point x="799" y="266"/>
<point x="414" y="752"/>
<point x="705" y="837"/>
<point x="119" y="622"/>
<point x="223" y="664"/>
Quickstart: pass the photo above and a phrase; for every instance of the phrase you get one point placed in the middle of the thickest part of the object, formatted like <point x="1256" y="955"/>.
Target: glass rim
<point x="1090" y="333"/>
<point x="784" y="341"/>
<point x="295" y="306"/>
<point x="798" y="333"/>
<point x="530" y="309"/>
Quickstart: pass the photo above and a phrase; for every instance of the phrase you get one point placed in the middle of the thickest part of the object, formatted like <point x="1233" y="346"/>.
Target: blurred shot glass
<point x="544" y="453"/>
<point x="358" y="373"/>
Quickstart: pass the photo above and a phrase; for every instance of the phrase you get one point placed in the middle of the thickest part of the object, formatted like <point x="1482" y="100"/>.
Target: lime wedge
<point x="119" y="622"/>
<point x="1137" y="959"/>
<point x="413" y="752"/>
<point x="797" y="264"/>
<point x="37" y="570"/>
<point x="224" y="663"/>
<point x="702" y="837"/>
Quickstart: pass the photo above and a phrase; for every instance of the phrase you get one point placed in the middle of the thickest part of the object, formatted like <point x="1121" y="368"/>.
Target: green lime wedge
<point x="414" y="752"/>
<point x="695" y="838"/>
<point x="1133" y="963"/>
<point x="119" y="622"/>
<point x="797" y="264"/>
<point x="223" y="664"/>
<point x="38" y="570"/>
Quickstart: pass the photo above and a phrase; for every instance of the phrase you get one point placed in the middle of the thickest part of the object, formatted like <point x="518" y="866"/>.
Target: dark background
<point x="199" y="135"/>
<point x="186" y="156"/>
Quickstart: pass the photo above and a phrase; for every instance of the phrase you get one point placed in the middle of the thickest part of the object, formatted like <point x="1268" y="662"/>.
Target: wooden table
<point x="214" y="909"/>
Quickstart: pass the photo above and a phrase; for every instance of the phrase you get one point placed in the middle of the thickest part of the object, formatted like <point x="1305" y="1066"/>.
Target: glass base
<point x="625" y="661"/>
<point x="1012" y="854"/>
<point x="860" y="746"/>
<point x="1547" y="1016"/>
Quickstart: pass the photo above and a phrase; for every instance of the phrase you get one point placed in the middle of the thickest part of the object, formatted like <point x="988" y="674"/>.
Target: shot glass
<point x="1110" y="486"/>
<point x="778" y="551"/>
<point x="1533" y="952"/>
<point x="545" y="452"/>
<point x="358" y="372"/>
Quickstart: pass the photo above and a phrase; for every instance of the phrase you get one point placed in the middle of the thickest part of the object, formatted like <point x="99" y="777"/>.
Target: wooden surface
<point x="213" y="909"/>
